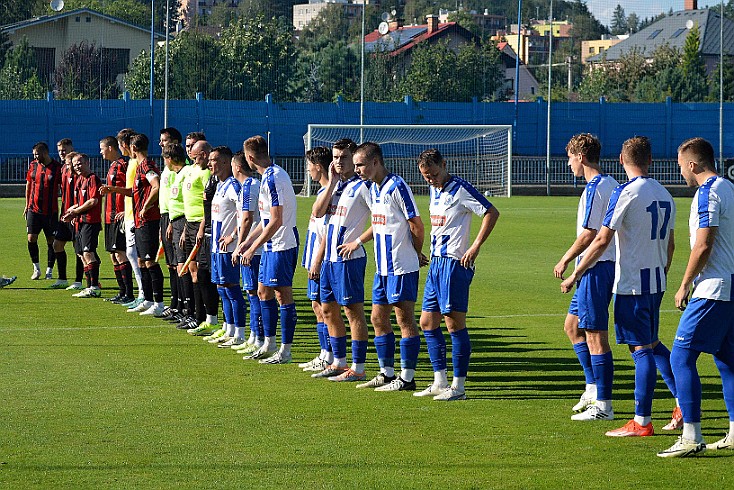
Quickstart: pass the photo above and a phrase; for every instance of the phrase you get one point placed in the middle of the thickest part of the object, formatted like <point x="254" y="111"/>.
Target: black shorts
<point x="87" y="238"/>
<point x="192" y="228"/>
<point x="167" y="245"/>
<point x="64" y="232"/>
<point x="203" y="257"/>
<point x="35" y="222"/>
<point x="178" y="226"/>
<point x="146" y="240"/>
<point x="114" y="237"/>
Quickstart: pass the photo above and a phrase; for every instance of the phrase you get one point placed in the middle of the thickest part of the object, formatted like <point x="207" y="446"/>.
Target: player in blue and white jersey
<point x="318" y="160"/>
<point x="641" y="213"/>
<point x="707" y="324"/>
<point x="453" y="203"/>
<point x="587" y="321"/>
<point x="347" y="203"/>
<point x="398" y="233"/>
<point x="224" y="271"/>
<point x="278" y="237"/>
<point x="248" y="218"/>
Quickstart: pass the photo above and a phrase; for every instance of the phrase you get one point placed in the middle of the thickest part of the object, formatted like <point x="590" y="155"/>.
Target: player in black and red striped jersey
<point x="144" y="193"/>
<point x="42" y="204"/>
<point x="65" y="231"/>
<point x="86" y="214"/>
<point x="114" y="216"/>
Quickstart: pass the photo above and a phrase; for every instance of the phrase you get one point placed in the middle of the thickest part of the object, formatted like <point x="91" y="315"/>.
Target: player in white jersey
<point x="453" y="203"/>
<point x="398" y="233"/>
<point x="707" y="324"/>
<point x="224" y="271"/>
<point x="278" y="236"/>
<point x="317" y="166"/>
<point x="642" y="214"/>
<point x="587" y="321"/>
<point x="347" y="202"/>
<point x="249" y="218"/>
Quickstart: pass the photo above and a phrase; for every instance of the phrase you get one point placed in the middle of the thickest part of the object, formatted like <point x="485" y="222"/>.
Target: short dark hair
<point x="173" y="133"/>
<point x="124" y="136"/>
<point x="196" y="136"/>
<point x="585" y="144"/>
<point x="371" y="151"/>
<point x="41" y="146"/>
<point x="224" y="150"/>
<point x="345" y="144"/>
<point x="65" y="142"/>
<point x="257" y="147"/>
<point x="175" y="152"/>
<point x="70" y="155"/>
<point x="321" y="156"/>
<point x="430" y="157"/>
<point x="82" y="156"/>
<point x="140" y="142"/>
<point x="110" y="141"/>
<point x="637" y="151"/>
<point x="699" y="150"/>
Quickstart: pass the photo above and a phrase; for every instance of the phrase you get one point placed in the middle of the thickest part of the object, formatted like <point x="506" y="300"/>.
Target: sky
<point x="603" y="9"/>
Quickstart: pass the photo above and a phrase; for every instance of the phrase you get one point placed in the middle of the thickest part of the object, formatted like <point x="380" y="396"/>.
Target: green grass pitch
<point x="93" y="397"/>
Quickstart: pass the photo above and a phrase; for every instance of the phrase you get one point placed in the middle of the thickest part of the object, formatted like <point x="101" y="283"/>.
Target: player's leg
<point x="336" y="332"/>
<point x="50" y="226"/>
<point x="410" y="343"/>
<point x="430" y="322"/>
<point x="131" y="250"/>
<point x="33" y="228"/>
<point x="603" y="365"/>
<point x="63" y="235"/>
<point x="724" y="359"/>
<point x="282" y="267"/>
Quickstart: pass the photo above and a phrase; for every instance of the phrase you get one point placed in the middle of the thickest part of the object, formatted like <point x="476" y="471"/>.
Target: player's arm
<point x="700" y="254"/>
<point x="417" y="234"/>
<point x="593" y="252"/>
<point x="242" y="234"/>
<point x="488" y="221"/>
<point x="321" y="205"/>
<point x="315" y="271"/>
<point x="155" y="184"/>
<point x="671" y="250"/>
<point x="82" y="208"/>
<point x="27" y="198"/>
<point x="112" y="189"/>
<point x="347" y="249"/>
<point x="581" y="243"/>
<point x="276" y="221"/>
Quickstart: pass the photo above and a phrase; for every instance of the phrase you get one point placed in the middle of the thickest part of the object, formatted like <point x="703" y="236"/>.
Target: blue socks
<point x="645" y="378"/>
<point x="288" y="319"/>
<point x="269" y="312"/>
<point x="255" y="315"/>
<point x="582" y="352"/>
<point x="385" y="348"/>
<point x="725" y="365"/>
<point x="662" y="361"/>
<point x="603" y="365"/>
<point x="339" y="347"/>
<point x="323" y="334"/>
<point x="226" y="306"/>
<point x="239" y="308"/>
<point x="436" y="345"/>
<point x="683" y="362"/>
<point x="460" y="352"/>
<point x="409" y="349"/>
<point x="359" y="351"/>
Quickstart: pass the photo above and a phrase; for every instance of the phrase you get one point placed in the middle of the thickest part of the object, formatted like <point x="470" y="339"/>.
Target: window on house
<point x="678" y="32"/>
<point x="591" y="49"/>
<point x="116" y="60"/>
<point x="88" y="19"/>
<point x="77" y="19"/>
<point x="654" y="34"/>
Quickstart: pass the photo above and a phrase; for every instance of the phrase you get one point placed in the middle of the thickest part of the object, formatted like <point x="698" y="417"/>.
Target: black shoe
<point x="122" y="300"/>
<point x="186" y="324"/>
<point x="112" y="299"/>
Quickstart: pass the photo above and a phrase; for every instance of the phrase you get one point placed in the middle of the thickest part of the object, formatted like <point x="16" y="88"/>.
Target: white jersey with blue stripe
<point x="451" y="212"/>
<point x="349" y="212"/>
<point x="314" y="236"/>
<point x="713" y="206"/>
<point x="276" y="189"/>
<point x="224" y="214"/>
<point x="592" y="209"/>
<point x="392" y="206"/>
<point x="247" y="201"/>
<point x="642" y="212"/>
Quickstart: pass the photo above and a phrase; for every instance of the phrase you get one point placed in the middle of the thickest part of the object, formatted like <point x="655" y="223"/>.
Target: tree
<point x="728" y="82"/>
<point x="619" y="21"/>
<point x="12" y="11"/>
<point x="84" y="73"/>
<point x="633" y="23"/>
<point x="18" y="76"/>
<point x="695" y="87"/>
<point x="134" y="11"/>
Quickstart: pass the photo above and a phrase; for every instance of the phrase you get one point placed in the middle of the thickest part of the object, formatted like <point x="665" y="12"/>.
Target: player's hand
<point x="567" y="284"/>
<point x="141" y="214"/>
<point x="119" y="216"/>
<point x="347" y="249"/>
<point x="559" y="269"/>
<point x="105" y="189"/>
<point x="315" y="271"/>
<point x="199" y="237"/>
<point x="246" y="258"/>
<point x="423" y="260"/>
<point x="25" y="213"/>
<point x="169" y="233"/>
<point x="240" y="249"/>
<point x="681" y="297"/>
<point x="333" y="172"/>
<point x="224" y="242"/>
<point x="470" y="256"/>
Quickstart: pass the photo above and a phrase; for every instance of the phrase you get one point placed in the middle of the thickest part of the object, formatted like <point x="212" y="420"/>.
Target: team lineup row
<point x="229" y="231"/>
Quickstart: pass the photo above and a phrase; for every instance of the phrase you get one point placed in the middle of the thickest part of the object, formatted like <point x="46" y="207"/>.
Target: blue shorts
<point x="591" y="299"/>
<point x="707" y="325"/>
<point x="389" y="290"/>
<point x="637" y="318"/>
<point x="277" y="268"/>
<point x="343" y="282"/>
<point x="312" y="291"/>
<point x="222" y="270"/>
<point x="249" y="274"/>
<point x="447" y="286"/>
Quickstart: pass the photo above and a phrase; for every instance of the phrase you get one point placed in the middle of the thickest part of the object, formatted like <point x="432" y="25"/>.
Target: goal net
<point x="480" y="154"/>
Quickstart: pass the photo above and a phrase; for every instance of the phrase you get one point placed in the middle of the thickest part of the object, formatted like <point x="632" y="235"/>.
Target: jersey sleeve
<point x="709" y="208"/>
<point x="473" y="200"/>
<point x="595" y="210"/>
<point x="273" y="190"/>
<point x="618" y="204"/>
<point x="406" y="201"/>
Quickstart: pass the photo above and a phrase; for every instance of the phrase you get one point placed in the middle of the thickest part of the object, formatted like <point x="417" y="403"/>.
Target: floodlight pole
<point x="721" y="85"/>
<point x="152" y="59"/>
<point x="548" y="122"/>
<point x="517" y="65"/>
<point x="165" y="86"/>
<point x="361" y="78"/>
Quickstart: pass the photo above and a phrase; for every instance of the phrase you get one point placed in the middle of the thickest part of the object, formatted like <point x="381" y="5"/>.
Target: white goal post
<point x="481" y="154"/>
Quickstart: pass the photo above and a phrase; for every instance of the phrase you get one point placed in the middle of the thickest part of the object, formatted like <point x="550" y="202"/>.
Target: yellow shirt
<point x="132" y="166"/>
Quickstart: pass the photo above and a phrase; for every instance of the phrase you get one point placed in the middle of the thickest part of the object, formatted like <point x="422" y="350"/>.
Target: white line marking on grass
<point x="541" y="315"/>
<point x="118" y="327"/>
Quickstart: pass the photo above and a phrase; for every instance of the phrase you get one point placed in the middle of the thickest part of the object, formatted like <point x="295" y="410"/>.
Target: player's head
<point x="64" y="146"/>
<point x="637" y="152"/>
<point x="220" y="162"/>
<point x="368" y="161"/>
<point x="239" y="164"/>
<point x="695" y="155"/>
<point x="199" y="153"/>
<point x="169" y="136"/>
<point x="123" y="140"/>
<point x="174" y="155"/>
<point x="342" y="151"/>
<point x="318" y="160"/>
<point x="108" y="147"/>
<point x="191" y="139"/>
<point x="256" y="152"/>
<point x="40" y="152"/>
<point x="583" y="149"/>
<point x="139" y="144"/>
<point x="80" y="163"/>
<point x="432" y="167"/>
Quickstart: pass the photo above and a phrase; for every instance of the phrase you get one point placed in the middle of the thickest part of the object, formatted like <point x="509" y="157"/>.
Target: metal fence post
<point x="49" y="114"/>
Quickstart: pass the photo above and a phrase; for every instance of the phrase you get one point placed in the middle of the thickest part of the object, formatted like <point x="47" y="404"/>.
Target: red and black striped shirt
<point x="141" y="192"/>
<point x="44" y="183"/>
<point x="88" y="188"/>
<point x="68" y="183"/>
<point x="115" y="203"/>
